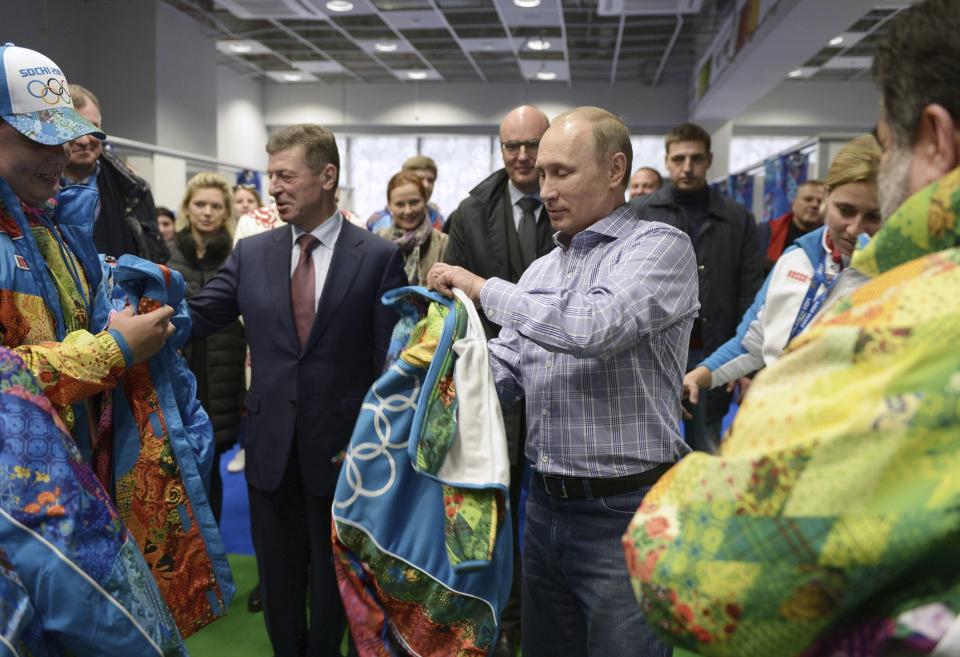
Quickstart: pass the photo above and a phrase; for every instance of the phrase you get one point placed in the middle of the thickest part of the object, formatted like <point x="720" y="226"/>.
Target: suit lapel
<point x="344" y="267"/>
<point x="277" y="269"/>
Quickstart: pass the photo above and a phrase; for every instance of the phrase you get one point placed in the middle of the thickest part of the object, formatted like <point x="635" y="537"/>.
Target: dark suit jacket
<point x="313" y="396"/>
<point x="483" y="237"/>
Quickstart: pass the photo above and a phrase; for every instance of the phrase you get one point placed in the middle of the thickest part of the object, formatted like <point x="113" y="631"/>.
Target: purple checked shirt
<point x="595" y="336"/>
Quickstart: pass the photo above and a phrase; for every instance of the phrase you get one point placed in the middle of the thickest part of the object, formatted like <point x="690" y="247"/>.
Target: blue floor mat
<point x="235" y="517"/>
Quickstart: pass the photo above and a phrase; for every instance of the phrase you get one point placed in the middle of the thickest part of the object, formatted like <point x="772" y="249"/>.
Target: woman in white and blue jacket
<point x="800" y="281"/>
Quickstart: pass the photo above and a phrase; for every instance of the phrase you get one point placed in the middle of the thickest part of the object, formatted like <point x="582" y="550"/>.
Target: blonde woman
<point x="198" y="251"/>
<point x="803" y="276"/>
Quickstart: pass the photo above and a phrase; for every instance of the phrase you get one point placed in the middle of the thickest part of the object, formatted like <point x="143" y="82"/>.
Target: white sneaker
<point x="238" y="462"/>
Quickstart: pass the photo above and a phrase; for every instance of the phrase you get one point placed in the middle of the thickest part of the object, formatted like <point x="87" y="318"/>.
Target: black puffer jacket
<point x="217" y="360"/>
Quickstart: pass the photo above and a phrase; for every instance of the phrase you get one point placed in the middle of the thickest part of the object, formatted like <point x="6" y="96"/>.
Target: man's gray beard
<point x="892" y="181"/>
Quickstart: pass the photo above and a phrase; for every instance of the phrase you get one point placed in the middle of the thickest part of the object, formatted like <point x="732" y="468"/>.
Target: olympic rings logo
<point x="371" y="450"/>
<point x="53" y="89"/>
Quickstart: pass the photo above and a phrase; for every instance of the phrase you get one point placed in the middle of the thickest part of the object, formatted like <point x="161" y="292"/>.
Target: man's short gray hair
<point x="610" y="135"/>
<point x="81" y="96"/>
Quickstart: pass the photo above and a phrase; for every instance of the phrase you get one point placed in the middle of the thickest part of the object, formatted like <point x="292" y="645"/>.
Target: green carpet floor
<point x="239" y="633"/>
<point x="242" y="634"/>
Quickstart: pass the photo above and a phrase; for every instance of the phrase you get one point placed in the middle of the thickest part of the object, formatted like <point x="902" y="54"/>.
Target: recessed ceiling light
<point x="293" y="77"/>
<point x="385" y="47"/>
<point x="538" y="44"/>
<point x="836" y="41"/>
<point x="546" y="75"/>
<point x="795" y="73"/>
<point x="417" y="75"/>
<point x="240" y="47"/>
<point x="340" y="5"/>
<point x="527" y="4"/>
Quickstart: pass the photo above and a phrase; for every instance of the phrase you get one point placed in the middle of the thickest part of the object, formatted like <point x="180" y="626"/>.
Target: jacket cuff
<point x="125" y="351"/>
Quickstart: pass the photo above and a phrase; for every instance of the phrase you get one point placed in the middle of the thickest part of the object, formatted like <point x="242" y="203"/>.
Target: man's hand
<point x="443" y="278"/>
<point x="695" y="379"/>
<point x="145" y="334"/>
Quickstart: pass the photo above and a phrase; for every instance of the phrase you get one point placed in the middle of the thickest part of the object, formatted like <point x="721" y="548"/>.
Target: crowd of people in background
<point x="625" y="311"/>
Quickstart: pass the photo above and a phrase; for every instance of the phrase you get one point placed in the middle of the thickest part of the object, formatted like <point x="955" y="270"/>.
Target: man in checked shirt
<point x="595" y="337"/>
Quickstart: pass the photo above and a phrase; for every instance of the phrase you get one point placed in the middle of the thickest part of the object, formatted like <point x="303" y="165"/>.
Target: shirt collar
<point x="516" y="194"/>
<point x="327" y="232"/>
<point x="615" y="225"/>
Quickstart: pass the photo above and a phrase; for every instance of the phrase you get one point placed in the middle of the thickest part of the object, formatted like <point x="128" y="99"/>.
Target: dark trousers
<point x="216" y="483"/>
<point x="291" y="535"/>
<point x="577" y="597"/>
<point x="701" y="435"/>
<point x="511" y="617"/>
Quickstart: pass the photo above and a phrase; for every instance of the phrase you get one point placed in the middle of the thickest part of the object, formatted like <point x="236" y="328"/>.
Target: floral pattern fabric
<point x="71" y="581"/>
<point x="435" y="583"/>
<point x="834" y="506"/>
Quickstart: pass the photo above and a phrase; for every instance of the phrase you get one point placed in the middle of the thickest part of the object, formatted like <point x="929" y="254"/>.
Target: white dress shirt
<point x="327" y="233"/>
<point x="515" y="196"/>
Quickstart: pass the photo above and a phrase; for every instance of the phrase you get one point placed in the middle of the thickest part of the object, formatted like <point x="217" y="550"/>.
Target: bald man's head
<point x="520" y="133"/>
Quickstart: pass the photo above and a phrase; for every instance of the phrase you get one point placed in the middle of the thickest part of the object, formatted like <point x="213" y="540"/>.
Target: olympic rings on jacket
<point x="53" y="88"/>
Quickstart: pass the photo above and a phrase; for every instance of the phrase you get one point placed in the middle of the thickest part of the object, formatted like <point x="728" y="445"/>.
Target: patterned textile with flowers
<point x="833" y="508"/>
<point x="422" y="547"/>
<point x="71" y="580"/>
<point x="156" y="468"/>
<point x="70" y="363"/>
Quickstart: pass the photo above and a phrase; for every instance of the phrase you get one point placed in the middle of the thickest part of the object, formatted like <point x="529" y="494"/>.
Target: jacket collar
<point x="719" y="207"/>
<point x="490" y="190"/>
<point x="927" y="222"/>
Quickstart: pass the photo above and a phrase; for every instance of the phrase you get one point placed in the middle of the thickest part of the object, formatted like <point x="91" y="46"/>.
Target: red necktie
<point x="303" y="286"/>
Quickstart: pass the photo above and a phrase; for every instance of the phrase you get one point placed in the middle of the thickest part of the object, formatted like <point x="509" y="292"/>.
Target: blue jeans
<point x="577" y="598"/>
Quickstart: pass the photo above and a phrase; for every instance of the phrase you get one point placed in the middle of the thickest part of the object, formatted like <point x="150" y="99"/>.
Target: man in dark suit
<point x="318" y="334"/>
<point x="496" y="232"/>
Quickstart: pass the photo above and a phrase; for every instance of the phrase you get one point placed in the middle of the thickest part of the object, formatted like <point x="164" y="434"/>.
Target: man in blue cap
<point x="49" y="271"/>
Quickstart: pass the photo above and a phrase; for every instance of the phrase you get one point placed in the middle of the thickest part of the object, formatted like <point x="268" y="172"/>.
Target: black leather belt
<point x="584" y="488"/>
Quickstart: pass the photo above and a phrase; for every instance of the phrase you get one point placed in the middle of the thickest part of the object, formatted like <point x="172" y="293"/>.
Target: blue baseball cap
<point x="35" y="98"/>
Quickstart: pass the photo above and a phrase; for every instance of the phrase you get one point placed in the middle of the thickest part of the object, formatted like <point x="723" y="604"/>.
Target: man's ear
<point x="329" y="176"/>
<point x="709" y="160"/>
<point x="936" y="145"/>
<point x="618" y="170"/>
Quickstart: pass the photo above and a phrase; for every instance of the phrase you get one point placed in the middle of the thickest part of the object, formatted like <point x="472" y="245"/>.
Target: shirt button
<point x="546" y="412"/>
<point x="544" y="458"/>
<point x="569" y="276"/>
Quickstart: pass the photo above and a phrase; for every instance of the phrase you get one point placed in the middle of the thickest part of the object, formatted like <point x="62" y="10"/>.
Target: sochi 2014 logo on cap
<point x="51" y="90"/>
<point x="35" y="82"/>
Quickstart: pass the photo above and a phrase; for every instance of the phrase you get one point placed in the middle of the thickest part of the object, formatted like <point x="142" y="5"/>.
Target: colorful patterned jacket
<point x="422" y="526"/>
<point x="52" y="290"/>
<point x="70" y="365"/>
<point x="72" y="582"/>
<point x="155" y="451"/>
<point x="830" y="521"/>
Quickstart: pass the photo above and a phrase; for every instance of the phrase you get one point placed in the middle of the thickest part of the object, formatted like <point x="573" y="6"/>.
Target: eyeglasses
<point x="513" y="147"/>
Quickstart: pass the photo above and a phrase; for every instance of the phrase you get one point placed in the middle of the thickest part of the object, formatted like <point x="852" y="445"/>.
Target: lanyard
<point x="814" y="298"/>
